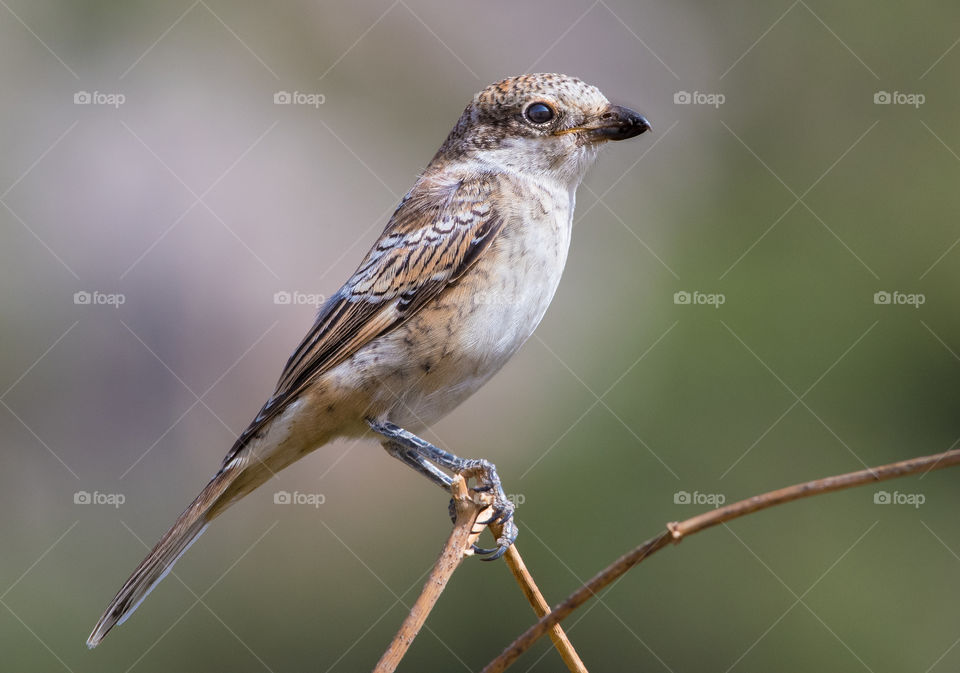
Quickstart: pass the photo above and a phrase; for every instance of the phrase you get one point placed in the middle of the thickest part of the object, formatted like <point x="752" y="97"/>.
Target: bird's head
<point x="541" y="124"/>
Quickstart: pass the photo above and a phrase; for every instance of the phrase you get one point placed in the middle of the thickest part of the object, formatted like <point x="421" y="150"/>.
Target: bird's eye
<point x="539" y="113"/>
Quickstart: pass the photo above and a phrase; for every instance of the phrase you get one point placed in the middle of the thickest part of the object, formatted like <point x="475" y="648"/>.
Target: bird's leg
<point x="413" y="459"/>
<point x="424" y="457"/>
<point x="419" y="463"/>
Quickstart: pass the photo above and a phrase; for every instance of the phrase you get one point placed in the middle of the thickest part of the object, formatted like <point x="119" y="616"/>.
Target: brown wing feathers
<point x="436" y="234"/>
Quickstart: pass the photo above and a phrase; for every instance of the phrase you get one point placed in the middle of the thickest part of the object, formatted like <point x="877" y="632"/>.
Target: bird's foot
<point x="488" y="482"/>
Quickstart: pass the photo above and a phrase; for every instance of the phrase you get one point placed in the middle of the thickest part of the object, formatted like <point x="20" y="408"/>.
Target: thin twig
<point x="465" y="533"/>
<point x="540" y="606"/>
<point x="677" y="531"/>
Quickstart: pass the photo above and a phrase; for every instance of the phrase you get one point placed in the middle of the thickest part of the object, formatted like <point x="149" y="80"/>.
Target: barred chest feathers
<point x="462" y="339"/>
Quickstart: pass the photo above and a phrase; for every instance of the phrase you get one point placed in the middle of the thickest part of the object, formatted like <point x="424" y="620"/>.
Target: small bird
<point x="456" y="283"/>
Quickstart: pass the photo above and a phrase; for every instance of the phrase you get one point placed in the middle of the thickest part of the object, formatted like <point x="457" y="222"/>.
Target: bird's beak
<point x="614" y="123"/>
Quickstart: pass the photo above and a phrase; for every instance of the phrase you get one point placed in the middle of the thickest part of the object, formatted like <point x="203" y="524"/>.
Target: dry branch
<point x="465" y="533"/>
<point x="540" y="606"/>
<point x="677" y="531"/>
<point x="470" y="507"/>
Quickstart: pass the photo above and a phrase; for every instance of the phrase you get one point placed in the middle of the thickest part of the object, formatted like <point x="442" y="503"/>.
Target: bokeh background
<point x="143" y="160"/>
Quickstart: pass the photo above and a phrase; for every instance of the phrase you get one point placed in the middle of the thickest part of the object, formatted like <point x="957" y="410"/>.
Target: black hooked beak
<point x="617" y="123"/>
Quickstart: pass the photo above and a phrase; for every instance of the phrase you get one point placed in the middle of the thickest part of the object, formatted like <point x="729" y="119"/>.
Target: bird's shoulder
<point x="436" y="232"/>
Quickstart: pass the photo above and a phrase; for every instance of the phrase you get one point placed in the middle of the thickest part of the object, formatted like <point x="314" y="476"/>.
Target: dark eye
<point x="539" y="113"/>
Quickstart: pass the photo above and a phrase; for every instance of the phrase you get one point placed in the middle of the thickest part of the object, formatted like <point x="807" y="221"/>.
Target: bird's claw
<point x="502" y="509"/>
<point x="508" y="536"/>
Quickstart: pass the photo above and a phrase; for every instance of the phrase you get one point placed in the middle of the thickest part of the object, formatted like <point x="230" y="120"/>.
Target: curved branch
<point x="677" y="531"/>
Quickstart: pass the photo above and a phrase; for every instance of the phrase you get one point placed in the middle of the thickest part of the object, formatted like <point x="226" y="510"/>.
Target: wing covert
<point x="436" y="234"/>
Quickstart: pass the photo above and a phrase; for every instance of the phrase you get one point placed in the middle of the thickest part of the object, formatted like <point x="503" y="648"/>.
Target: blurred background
<point x="762" y="291"/>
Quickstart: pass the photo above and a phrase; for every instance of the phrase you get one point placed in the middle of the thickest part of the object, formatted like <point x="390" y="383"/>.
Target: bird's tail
<point x="213" y="499"/>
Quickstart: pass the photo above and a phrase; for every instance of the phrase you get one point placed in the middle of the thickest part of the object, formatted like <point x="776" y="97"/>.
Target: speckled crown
<point x="562" y="88"/>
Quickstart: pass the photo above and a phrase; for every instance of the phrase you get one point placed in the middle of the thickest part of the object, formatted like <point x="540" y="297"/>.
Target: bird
<point x="457" y="281"/>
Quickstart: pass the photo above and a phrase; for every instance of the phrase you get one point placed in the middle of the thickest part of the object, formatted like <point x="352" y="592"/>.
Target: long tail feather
<point x="167" y="551"/>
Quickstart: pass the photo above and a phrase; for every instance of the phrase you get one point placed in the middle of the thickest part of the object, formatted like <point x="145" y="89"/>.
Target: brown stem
<point x="677" y="531"/>
<point x="465" y="532"/>
<point x="540" y="606"/>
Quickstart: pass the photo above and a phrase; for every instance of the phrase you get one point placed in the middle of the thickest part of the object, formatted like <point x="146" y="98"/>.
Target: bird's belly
<point x="458" y="342"/>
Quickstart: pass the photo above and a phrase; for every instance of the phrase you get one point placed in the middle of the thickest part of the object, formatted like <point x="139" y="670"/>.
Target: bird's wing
<point x="438" y="232"/>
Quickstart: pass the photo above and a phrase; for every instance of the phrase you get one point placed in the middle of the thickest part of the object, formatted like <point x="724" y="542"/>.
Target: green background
<point x="198" y="198"/>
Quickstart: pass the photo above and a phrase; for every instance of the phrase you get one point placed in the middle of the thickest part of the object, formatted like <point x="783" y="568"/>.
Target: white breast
<point x="521" y="278"/>
<point x="422" y="370"/>
<point x="508" y="293"/>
